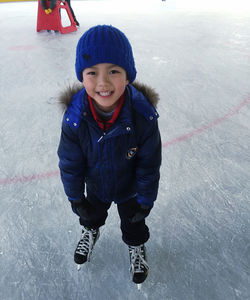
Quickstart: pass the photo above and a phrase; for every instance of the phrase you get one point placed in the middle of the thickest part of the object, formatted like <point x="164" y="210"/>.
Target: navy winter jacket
<point x="117" y="165"/>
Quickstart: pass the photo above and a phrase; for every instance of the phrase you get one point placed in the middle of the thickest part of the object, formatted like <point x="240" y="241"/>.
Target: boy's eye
<point x="91" y="73"/>
<point x="114" y="72"/>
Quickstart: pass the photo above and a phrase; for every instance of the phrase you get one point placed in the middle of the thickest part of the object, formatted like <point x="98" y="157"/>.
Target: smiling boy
<point x="110" y="147"/>
<point x="105" y="84"/>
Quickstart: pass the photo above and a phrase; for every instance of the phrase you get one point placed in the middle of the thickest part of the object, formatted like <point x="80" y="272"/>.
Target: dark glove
<point x="141" y="214"/>
<point x="81" y="208"/>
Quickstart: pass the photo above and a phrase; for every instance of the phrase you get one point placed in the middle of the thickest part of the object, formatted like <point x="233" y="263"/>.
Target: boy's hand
<point x="80" y="207"/>
<point x="141" y="214"/>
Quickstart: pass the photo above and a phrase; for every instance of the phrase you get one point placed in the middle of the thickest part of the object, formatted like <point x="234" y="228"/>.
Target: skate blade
<point x="79" y="267"/>
<point x="139" y="286"/>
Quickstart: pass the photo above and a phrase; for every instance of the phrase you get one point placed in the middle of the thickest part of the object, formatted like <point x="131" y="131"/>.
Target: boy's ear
<point x="127" y="80"/>
<point x="82" y="79"/>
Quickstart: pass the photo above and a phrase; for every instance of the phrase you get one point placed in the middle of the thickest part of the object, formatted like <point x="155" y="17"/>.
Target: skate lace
<point x="86" y="242"/>
<point x="138" y="262"/>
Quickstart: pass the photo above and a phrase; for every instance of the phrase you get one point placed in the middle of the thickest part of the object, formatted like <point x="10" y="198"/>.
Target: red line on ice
<point x="29" y="178"/>
<point x="22" y="47"/>
<point x="174" y="141"/>
<point x="205" y="127"/>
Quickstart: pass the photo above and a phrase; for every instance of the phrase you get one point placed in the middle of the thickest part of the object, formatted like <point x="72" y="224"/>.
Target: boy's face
<point x="105" y="83"/>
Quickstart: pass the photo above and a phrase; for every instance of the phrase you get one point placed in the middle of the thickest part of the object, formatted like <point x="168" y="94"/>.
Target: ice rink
<point x="197" y="57"/>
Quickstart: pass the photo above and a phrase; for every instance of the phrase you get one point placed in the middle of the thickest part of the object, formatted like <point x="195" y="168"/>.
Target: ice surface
<point x="197" y="56"/>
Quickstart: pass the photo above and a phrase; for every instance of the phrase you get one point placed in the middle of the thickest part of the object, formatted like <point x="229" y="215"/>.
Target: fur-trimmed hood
<point x="148" y="92"/>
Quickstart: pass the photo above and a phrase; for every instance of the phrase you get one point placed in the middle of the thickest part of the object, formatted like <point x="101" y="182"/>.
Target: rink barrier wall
<point x="182" y="138"/>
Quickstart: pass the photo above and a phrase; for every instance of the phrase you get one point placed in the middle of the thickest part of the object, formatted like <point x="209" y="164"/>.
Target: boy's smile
<point x="105" y="83"/>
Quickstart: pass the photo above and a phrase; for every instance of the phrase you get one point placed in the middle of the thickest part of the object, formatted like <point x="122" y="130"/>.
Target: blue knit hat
<point x="104" y="44"/>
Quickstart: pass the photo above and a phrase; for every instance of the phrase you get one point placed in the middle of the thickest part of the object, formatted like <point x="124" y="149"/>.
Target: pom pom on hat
<point x="104" y="44"/>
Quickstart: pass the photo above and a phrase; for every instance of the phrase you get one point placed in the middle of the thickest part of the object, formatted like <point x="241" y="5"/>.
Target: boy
<point x="110" y="144"/>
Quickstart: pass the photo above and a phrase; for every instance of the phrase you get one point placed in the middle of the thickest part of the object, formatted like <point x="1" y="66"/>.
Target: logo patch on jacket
<point x="131" y="152"/>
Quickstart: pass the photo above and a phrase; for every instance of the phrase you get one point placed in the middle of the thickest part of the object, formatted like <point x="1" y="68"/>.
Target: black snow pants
<point x="133" y="234"/>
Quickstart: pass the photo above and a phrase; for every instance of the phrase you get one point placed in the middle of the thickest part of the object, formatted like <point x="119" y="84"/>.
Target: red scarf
<point x="105" y="125"/>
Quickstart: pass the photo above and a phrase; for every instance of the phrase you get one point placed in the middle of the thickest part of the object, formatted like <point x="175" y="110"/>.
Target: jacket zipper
<point x="101" y="137"/>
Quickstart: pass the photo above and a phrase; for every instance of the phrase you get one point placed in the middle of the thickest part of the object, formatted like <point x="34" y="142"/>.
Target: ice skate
<point x="138" y="264"/>
<point x="85" y="246"/>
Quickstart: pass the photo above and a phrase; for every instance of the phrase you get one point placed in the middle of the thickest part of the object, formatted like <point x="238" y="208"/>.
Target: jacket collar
<point x="141" y="97"/>
<point x="107" y="124"/>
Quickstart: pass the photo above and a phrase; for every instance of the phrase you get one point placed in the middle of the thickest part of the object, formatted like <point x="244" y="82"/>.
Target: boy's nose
<point x="103" y="79"/>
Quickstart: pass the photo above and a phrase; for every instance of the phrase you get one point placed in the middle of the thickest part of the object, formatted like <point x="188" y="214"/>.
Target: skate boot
<point x="85" y="245"/>
<point x="138" y="264"/>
